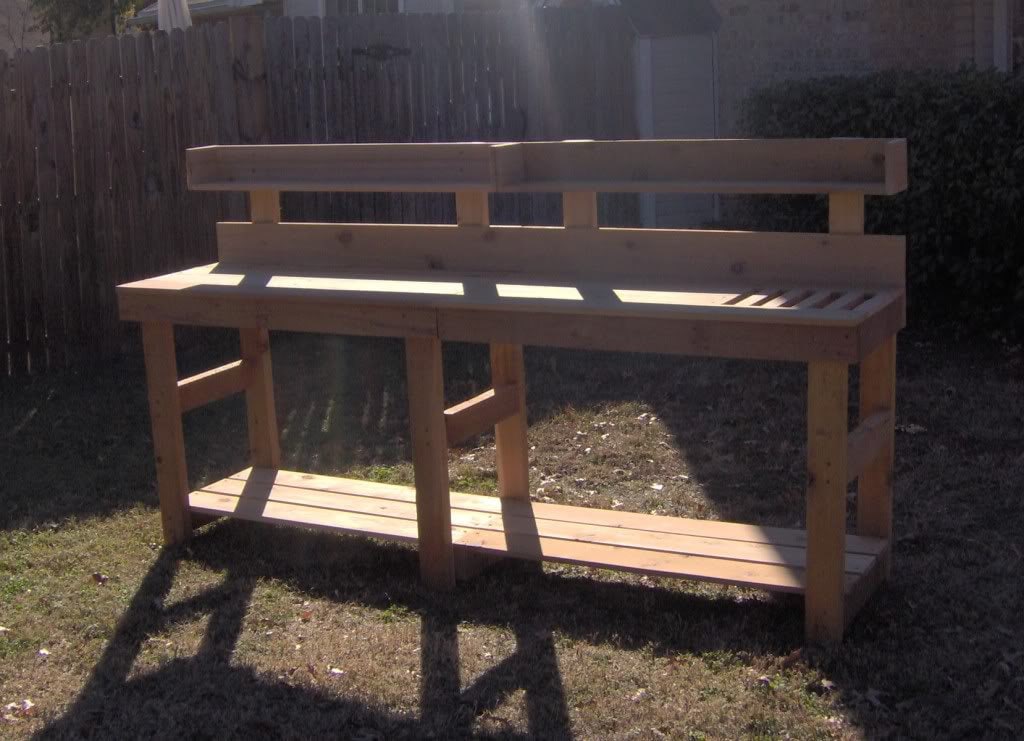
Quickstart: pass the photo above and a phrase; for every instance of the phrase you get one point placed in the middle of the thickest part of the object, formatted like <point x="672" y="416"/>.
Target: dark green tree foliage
<point x="964" y="211"/>
<point x="70" y="19"/>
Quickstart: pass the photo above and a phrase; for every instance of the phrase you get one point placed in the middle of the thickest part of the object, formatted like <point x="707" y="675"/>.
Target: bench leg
<point x="168" y="436"/>
<point x="874" y="487"/>
<point x="430" y="460"/>
<point x="264" y="442"/>
<point x="512" y="451"/>
<point x="827" y="389"/>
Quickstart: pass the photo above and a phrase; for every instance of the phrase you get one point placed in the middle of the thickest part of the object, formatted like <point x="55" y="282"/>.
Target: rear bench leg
<point x="512" y="452"/>
<point x="430" y="460"/>
<point x="168" y="436"/>
<point x="264" y="442"/>
<point x="874" y="487"/>
<point x="827" y="389"/>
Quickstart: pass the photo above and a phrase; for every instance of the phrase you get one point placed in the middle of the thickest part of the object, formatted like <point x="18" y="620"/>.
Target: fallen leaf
<point x="911" y="429"/>
<point x="793" y="658"/>
<point x="27" y="709"/>
<point x="306" y="615"/>
<point x="43" y="653"/>
<point x="639" y="695"/>
<point x="99" y="578"/>
<point x="4" y="631"/>
<point x="335" y="671"/>
<point x="367" y="734"/>
<point x="657" y="487"/>
<point x="874" y="697"/>
<point x="822" y="687"/>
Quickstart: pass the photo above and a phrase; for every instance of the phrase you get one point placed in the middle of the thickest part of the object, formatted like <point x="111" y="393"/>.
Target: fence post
<point x="250" y="73"/>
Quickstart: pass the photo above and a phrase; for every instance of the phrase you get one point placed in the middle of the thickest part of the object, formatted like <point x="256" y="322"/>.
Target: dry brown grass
<point x="236" y="635"/>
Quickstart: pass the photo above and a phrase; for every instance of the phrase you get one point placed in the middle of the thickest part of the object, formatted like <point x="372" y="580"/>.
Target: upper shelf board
<point x="868" y="166"/>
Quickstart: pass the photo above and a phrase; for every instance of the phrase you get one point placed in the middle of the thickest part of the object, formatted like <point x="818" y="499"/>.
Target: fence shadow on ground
<point x="201" y="695"/>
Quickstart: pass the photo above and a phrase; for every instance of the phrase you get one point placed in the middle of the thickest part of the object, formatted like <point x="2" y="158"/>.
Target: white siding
<point x="429" y="6"/>
<point x="305" y="8"/>
<point x="683" y="107"/>
<point x="643" y="84"/>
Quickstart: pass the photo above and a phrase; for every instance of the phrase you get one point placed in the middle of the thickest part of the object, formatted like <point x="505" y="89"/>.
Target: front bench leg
<point x="168" y="436"/>
<point x="827" y="389"/>
<point x="425" y="382"/>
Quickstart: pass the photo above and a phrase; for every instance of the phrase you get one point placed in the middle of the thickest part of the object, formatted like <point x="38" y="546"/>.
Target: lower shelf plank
<point x="729" y="553"/>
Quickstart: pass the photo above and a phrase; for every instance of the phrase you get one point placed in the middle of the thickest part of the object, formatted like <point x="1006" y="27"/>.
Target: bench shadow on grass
<point x="206" y="695"/>
<point x="342" y="404"/>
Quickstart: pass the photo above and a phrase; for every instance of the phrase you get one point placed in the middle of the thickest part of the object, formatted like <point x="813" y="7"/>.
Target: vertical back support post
<point x="579" y="209"/>
<point x="430" y="460"/>
<point x="168" y="436"/>
<point x="512" y="452"/>
<point x="846" y="213"/>
<point x="264" y="442"/>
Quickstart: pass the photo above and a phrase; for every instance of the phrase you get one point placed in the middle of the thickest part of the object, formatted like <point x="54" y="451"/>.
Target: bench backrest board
<point x="845" y="169"/>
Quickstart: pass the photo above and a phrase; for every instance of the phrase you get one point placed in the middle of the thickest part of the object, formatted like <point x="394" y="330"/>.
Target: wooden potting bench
<point x="827" y="300"/>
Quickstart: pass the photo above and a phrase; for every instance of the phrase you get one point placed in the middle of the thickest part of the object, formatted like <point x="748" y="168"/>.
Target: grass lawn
<point x="254" y="631"/>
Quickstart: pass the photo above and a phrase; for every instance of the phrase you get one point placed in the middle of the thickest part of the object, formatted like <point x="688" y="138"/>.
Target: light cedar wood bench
<point x="827" y="300"/>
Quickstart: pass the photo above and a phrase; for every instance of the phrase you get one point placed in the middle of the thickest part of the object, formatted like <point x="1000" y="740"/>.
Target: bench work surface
<point x="826" y="320"/>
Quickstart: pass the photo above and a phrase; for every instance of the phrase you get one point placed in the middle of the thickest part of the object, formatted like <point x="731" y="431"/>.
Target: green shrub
<point x="964" y="211"/>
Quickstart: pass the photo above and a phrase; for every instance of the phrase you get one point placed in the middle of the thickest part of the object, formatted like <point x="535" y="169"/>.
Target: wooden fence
<point x="92" y="183"/>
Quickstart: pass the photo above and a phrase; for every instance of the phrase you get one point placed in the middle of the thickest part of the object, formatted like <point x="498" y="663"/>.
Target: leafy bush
<point x="964" y="211"/>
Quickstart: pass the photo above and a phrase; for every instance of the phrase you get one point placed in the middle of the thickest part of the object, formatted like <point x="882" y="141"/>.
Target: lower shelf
<point x="743" y="555"/>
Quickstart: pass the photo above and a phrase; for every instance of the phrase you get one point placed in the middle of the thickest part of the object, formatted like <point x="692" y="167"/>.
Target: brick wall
<point x="763" y="41"/>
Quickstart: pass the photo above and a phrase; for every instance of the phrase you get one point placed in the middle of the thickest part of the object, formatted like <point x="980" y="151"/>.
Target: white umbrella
<point x="171" y="14"/>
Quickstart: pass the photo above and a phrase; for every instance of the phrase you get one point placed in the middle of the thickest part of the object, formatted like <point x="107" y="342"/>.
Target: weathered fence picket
<point x="92" y="139"/>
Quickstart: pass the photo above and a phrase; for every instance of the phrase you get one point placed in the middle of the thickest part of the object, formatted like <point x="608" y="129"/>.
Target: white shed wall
<point x="683" y="106"/>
